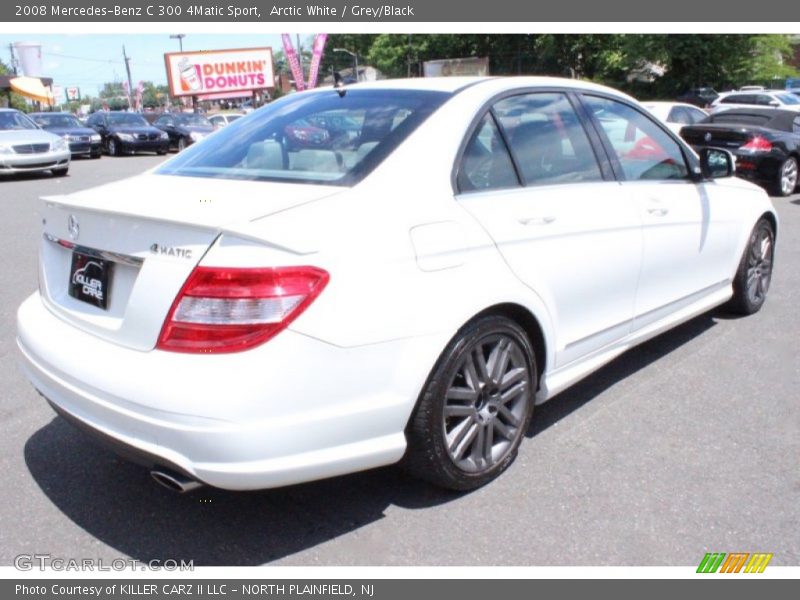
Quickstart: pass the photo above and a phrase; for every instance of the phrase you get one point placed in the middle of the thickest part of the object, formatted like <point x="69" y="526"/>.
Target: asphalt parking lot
<point x="686" y="445"/>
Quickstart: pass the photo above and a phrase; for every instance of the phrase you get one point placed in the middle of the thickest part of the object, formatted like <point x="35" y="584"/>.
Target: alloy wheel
<point x="486" y="403"/>
<point x="759" y="265"/>
<point x="788" y="176"/>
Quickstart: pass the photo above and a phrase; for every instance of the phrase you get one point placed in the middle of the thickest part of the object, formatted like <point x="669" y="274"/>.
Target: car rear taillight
<point x="757" y="144"/>
<point x="232" y="309"/>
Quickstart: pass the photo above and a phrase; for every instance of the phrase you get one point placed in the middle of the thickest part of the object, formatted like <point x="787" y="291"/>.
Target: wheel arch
<point x="529" y="323"/>
<point x="773" y="221"/>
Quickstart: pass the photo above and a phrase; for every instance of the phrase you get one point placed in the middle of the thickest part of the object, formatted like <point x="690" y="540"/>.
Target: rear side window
<point x="547" y="139"/>
<point x="679" y="115"/>
<point x="685" y="115"/>
<point x="643" y="149"/>
<point x="695" y="114"/>
<point x="318" y="137"/>
<point x="486" y="163"/>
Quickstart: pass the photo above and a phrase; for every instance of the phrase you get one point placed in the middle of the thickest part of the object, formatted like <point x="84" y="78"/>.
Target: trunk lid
<point x="725" y="136"/>
<point x="143" y="236"/>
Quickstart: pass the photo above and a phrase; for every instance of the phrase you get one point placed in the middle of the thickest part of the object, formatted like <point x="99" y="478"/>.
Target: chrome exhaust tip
<point x="175" y="481"/>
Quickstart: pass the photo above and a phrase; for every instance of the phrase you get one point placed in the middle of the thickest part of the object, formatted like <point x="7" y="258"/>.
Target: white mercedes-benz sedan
<point x="391" y="272"/>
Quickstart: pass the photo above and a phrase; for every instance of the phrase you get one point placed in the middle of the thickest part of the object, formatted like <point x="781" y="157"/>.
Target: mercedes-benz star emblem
<point x="73" y="227"/>
<point x="707" y="137"/>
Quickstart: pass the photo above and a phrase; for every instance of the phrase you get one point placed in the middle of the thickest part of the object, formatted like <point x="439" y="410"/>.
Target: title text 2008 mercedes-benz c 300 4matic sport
<point x="260" y="311"/>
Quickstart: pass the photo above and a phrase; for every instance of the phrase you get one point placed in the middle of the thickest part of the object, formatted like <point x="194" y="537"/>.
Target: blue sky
<point x="88" y="61"/>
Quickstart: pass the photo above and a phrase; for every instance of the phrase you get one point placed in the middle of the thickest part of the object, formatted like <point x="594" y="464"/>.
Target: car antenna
<point x="338" y="84"/>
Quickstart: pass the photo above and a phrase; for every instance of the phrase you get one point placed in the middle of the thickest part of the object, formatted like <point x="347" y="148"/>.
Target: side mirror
<point x="716" y="163"/>
<point x="774" y="103"/>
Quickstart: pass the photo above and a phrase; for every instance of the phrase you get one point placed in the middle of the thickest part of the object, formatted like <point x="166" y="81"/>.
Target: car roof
<point x="455" y="84"/>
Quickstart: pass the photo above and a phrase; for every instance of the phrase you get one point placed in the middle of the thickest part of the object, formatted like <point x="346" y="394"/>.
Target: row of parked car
<point x="760" y="127"/>
<point x="46" y="141"/>
<point x="748" y="95"/>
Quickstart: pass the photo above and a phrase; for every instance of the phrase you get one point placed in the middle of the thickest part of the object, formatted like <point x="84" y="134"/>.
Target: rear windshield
<point x="788" y="98"/>
<point x="57" y="121"/>
<point x="193" y="120"/>
<point x="319" y="137"/>
<point x="126" y="119"/>
<point x="741" y="119"/>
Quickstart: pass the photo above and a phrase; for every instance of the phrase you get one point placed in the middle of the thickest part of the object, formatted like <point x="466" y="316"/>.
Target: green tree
<point x="12" y="99"/>
<point x="720" y="60"/>
<point x="585" y="56"/>
<point x="686" y="60"/>
<point x="154" y="95"/>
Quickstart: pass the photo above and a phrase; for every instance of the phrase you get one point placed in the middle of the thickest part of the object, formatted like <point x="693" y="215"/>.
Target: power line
<point x="100" y="60"/>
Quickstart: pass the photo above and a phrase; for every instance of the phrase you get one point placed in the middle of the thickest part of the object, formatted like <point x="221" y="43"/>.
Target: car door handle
<point x="658" y="212"/>
<point x="546" y="220"/>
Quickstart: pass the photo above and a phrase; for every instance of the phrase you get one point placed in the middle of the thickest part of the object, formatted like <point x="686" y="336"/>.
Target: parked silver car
<point x="26" y="148"/>
<point x="756" y="99"/>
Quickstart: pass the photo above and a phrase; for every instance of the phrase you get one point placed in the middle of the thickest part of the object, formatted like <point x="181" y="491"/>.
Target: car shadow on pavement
<point x="121" y="506"/>
<point x="620" y="368"/>
<point x="118" y="503"/>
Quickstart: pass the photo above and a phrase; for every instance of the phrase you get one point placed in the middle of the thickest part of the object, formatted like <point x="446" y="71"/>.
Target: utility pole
<point x="179" y="37"/>
<point x="128" y="69"/>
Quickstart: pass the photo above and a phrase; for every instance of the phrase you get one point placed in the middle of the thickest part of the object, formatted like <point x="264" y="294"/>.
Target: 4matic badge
<point x="171" y="251"/>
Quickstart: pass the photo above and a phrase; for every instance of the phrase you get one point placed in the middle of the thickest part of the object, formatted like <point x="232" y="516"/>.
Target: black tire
<point x="752" y="279"/>
<point x="786" y="181"/>
<point x="59" y="172"/>
<point x="113" y="147"/>
<point x="438" y="444"/>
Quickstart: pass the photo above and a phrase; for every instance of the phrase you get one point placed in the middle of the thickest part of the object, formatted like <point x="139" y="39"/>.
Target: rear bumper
<point x="252" y="420"/>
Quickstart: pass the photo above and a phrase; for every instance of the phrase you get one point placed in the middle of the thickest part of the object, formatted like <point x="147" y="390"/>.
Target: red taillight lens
<point x="230" y="310"/>
<point x="758" y="144"/>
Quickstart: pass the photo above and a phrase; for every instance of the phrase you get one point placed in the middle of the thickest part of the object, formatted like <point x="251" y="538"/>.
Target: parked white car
<point x="249" y="315"/>
<point x="676" y="115"/>
<point x="220" y="120"/>
<point x="760" y="99"/>
<point x="26" y="148"/>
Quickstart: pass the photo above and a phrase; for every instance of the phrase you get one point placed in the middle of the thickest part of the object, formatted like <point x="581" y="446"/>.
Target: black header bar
<point x="390" y="11"/>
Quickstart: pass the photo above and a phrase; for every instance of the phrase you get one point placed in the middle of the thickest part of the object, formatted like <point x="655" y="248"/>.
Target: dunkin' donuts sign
<point x="219" y="71"/>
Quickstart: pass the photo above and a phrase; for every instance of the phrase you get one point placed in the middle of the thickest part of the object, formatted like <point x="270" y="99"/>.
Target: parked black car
<point x="701" y="97"/>
<point x="124" y="132"/>
<point x="82" y="140"/>
<point x="184" y="128"/>
<point x="765" y="142"/>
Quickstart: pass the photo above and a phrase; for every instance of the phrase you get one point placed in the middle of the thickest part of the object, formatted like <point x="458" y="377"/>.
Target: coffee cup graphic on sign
<point x="190" y="79"/>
